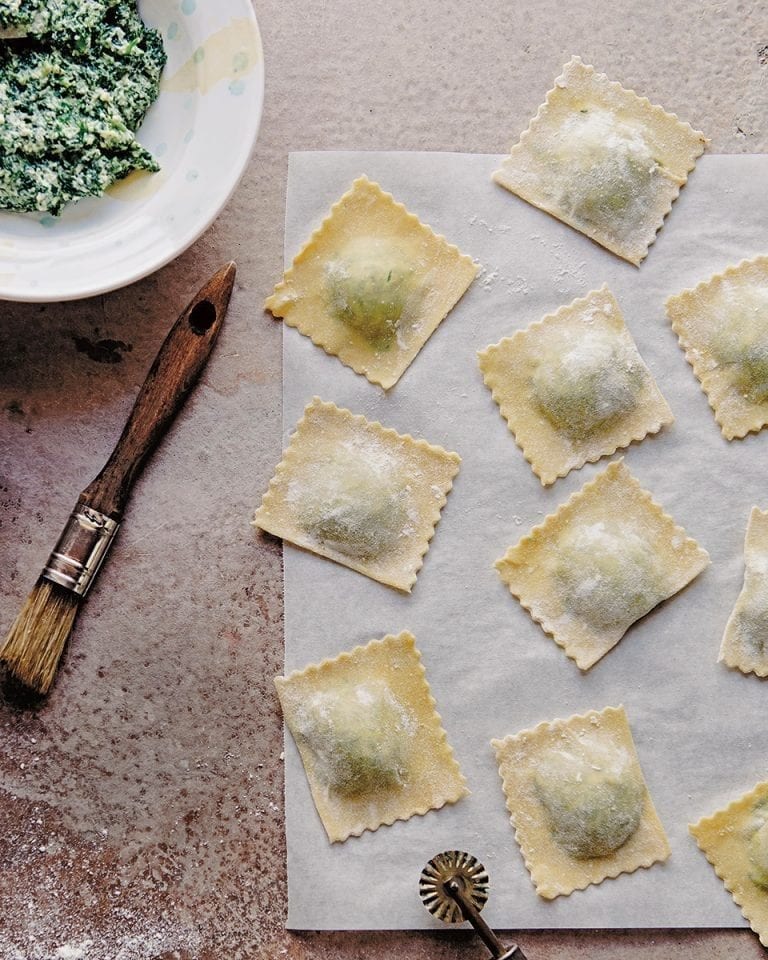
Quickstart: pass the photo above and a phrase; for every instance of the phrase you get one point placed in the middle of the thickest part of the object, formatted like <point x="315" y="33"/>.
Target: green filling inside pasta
<point x="593" y="805"/>
<point x="359" y="736"/>
<point x="369" y="286"/>
<point x="589" y="385"/>
<point x="354" y="503"/>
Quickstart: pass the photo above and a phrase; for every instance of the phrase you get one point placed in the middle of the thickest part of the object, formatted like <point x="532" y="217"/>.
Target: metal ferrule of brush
<point x="80" y="550"/>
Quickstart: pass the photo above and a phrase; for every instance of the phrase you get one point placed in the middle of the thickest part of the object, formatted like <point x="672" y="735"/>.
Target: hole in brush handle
<point x="202" y="317"/>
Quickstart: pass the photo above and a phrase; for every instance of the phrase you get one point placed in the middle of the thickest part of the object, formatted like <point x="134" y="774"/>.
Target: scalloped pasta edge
<point x="542" y="885"/>
<point x="728" y="653"/>
<point x="447" y="753"/>
<point x="655" y="110"/>
<point x="762" y="937"/>
<point x="522" y="437"/>
<point x="283" y="469"/>
<point x="710" y="822"/>
<point x="539" y="533"/>
<point x="690" y="352"/>
<point x="273" y="303"/>
<point x="760" y="672"/>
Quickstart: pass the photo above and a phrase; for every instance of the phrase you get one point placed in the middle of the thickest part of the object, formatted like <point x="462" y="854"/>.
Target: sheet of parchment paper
<point x="699" y="728"/>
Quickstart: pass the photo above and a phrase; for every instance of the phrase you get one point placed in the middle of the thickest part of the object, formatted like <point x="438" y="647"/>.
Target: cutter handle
<point x="175" y="371"/>
<point x="455" y="889"/>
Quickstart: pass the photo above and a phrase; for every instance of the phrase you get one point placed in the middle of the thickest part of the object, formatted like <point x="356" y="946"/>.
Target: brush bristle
<point x="36" y="640"/>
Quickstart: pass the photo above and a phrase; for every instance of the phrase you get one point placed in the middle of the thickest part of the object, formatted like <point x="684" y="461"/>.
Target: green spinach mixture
<point x="76" y="79"/>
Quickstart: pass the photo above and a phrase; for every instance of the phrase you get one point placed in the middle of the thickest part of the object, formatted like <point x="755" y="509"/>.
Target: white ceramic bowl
<point x="202" y="130"/>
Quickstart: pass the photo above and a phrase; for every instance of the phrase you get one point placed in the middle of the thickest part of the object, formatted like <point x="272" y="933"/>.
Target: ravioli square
<point x="358" y="493"/>
<point x="603" y="160"/>
<point x="735" y="841"/>
<point x="371" y="741"/>
<point x="578" y="802"/>
<point x="372" y="284"/>
<point x="573" y="386"/>
<point x="722" y="325"/>
<point x="745" y="642"/>
<point x="607" y="557"/>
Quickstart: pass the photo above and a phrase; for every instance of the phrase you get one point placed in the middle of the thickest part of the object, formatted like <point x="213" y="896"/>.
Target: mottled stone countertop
<point x="141" y="804"/>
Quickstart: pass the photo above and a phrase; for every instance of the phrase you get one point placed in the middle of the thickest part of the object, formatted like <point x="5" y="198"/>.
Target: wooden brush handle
<point x="175" y="371"/>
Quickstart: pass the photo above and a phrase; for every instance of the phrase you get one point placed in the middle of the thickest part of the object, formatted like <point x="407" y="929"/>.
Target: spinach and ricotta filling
<point x="62" y="20"/>
<point x="75" y="83"/>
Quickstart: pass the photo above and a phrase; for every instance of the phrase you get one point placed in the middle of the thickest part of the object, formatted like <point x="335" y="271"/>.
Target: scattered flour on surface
<point x="515" y="285"/>
<point x="70" y="951"/>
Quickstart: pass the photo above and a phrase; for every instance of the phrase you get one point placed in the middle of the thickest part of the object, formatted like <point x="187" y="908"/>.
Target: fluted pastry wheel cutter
<point x="454" y="888"/>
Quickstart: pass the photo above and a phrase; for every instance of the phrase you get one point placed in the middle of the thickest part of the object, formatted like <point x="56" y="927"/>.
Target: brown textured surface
<point x="140" y="806"/>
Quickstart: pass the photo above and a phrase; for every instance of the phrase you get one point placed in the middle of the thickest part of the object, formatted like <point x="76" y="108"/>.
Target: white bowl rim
<point x="15" y="295"/>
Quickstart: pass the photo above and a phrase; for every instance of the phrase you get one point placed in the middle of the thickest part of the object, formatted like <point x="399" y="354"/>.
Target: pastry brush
<point x="36" y="640"/>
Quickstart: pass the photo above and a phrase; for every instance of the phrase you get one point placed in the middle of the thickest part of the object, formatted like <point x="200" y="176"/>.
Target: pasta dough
<point x="578" y="802"/>
<point x="372" y="284"/>
<point x="358" y="493"/>
<point x="602" y="160"/>
<point x="371" y="742"/>
<point x="606" y="558"/>
<point x="735" y="841"/>
<point x="722" y="325"/>
<point x="745" y="642"/>
<point x="573" y="387"/>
